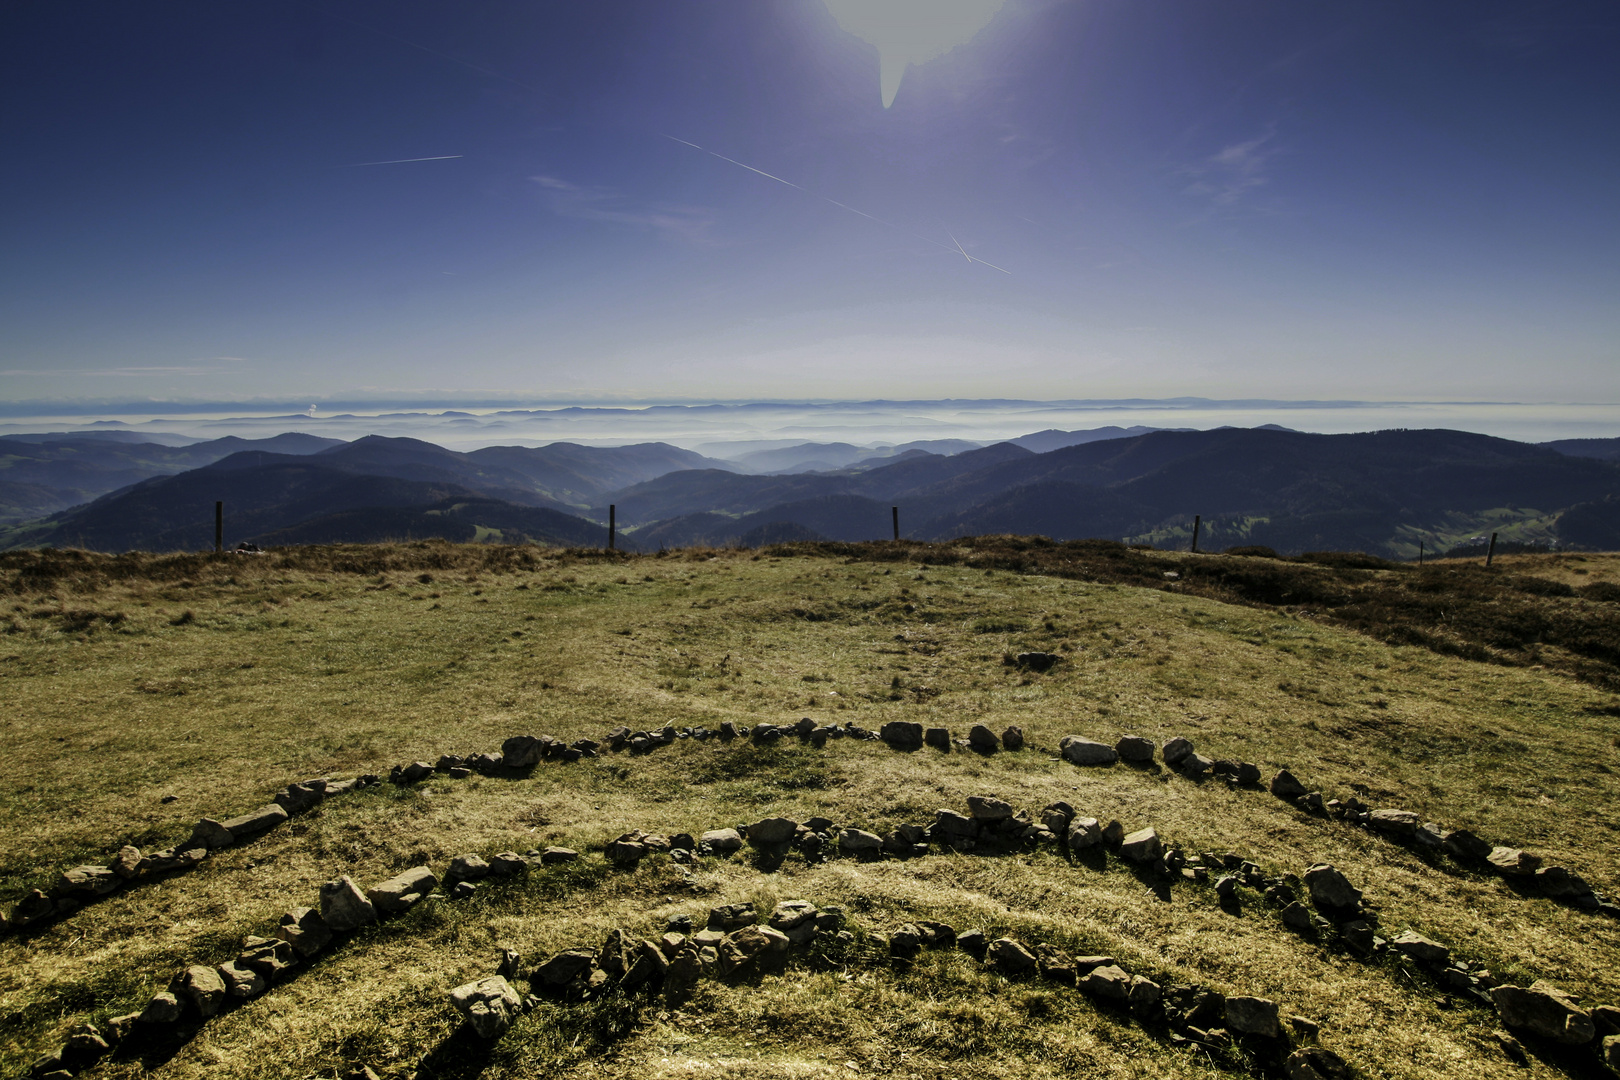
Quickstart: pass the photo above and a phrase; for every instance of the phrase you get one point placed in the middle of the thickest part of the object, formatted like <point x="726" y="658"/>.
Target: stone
<point x="649" y="965"/>
<point x="1418" y="947"/>
<point x="488" y="1005"/>
<point x="983" y="740"/>
<point x="1607" y="1019"/>
<point x="554" y="855"/>
<point x="1401" y="824"/>
<point x="902" y="734"/>
<point x="1009" y="957"/>
<point x="1195" y="765"/>
<point x="973" y="943"/>
<point x="988" y="809"/>
<point x="564" y="967"/>
<point x="1464" y="846"/>
<point x="776" y="830"/>
<point x="950" y="825"/>
<point x="1175" y="750"/>
<point x="1331" y="890"/>
<point x="1561" y="882"/>
<point x="1542" y="1009"/>
<point x="796" y="919"/>
<point x="1108" y="982"/>
<point x="906" y="942"/>
<point x="399" y="892"/>
<point x="164" y="1008"/>
<point x="1248" y="773"/>
<point x="1297" y="917"/>
<point x="242" y="982"/>
<point x="1113" y="835"/>
<point x="467" y="867"/>
<point x="1611" y="1052"/>
<point x="201" y="987"/>
<point x="937" y="737"/>
<point x="1037" y="661"/>
<point x="859" y="842"/>
<point x="127" y="863"/>
<point x="296" y="798"/>
<point x="1078" y="751"/>
<point x="1141" y="846"/>
<point x="1316" y="1063"/>
<point x="1511" y="862"/>
<point x="305" y="930"/>
<point x="1013" y="738"/>
<point x="461" y="890"/>
<point x="522" y="752"/>
<point x="720" y="842"/>
<point x="270" y="957"/>
<point x="1135" y="749"/>
<point x="85" y="882"/>
<point x="685" y="968"/>
<point x="1144" y="992"/>
<point x="742" y="948"/>
<point x="508" y="864"/>
<point x="626" y="853"/>
<point x="255" y="822"/>
<point x="1084" y="832"/>
<point x="730" y="917"/>
<point x="1253" y="1016"/>
<point x="1054" y="964"/>
<point x="1285" y="787"/>
<point x="344" y="907"/>
<point x="85" y="1043"/>
<point x="210" y="834"/>
<point x="1056" y="817"/>
<point x="414" y="773"/>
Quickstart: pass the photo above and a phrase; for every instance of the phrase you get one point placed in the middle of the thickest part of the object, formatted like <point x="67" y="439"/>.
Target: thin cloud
<point x="217" y="366"/>
<point x="1228" y="176"/>
<point x="587" y="203"/>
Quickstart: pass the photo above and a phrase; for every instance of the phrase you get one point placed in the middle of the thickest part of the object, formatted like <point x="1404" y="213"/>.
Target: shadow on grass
<point x="463" y="1054"/>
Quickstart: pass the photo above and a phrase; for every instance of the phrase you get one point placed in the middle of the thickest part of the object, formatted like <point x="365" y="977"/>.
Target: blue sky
<point x="1227" y="199"/>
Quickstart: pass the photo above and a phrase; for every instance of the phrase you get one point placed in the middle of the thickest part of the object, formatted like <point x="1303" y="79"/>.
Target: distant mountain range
<point x="1383" y="492"/>
<point x="40" y="474"/>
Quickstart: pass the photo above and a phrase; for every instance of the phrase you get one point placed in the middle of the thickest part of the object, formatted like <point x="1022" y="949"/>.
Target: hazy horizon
<point x="706" y="425"/>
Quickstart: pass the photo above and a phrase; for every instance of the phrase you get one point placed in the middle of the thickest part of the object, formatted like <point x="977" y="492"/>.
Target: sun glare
<point x="907" y="32"/>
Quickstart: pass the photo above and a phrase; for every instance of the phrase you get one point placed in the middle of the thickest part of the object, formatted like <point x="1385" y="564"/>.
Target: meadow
<point x="145" y="692"/>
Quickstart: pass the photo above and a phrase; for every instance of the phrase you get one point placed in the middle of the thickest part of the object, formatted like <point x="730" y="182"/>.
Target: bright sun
<point x="911" y="31"/>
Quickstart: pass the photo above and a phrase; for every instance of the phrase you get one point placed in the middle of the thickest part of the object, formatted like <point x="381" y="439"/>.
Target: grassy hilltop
<point x="145" y="692"/>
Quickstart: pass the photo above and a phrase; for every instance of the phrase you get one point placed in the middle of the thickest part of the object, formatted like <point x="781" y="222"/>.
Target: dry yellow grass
<point x="285" y="670"/>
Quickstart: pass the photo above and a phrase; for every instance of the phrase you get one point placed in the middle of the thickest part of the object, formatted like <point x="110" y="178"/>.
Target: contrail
<point x="399" y="161"/>
<point x="970" y="258"/>
<point x="841" y="206"/>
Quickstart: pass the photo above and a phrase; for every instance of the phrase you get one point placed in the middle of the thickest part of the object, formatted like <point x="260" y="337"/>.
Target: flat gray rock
<point x="399" y="892"/>
<point x="1079" y="751"/>
<point x="1542" y="1009"/>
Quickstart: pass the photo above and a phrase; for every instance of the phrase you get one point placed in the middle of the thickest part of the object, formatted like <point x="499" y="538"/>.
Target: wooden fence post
<point x="1420" y="553"/>
<point x="895" y="510"/>
<point x="613" y="526"/>
<point x="1490" y="552"/>
<point x="1198" y="521"/>
<point x="219" y="527"/>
